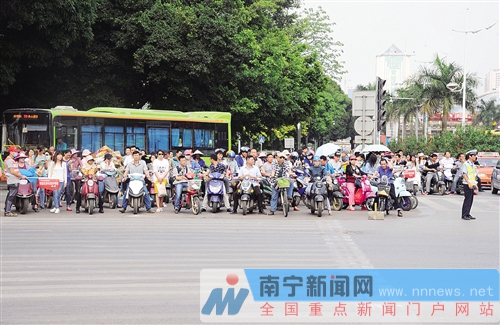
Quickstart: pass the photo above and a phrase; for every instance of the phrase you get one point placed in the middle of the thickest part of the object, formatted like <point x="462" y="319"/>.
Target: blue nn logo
<point x="233" y="304"/>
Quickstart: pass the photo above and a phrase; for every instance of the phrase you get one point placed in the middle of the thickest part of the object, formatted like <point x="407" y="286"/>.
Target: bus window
<point x="27" y="129"/>
<point x="67" y="130"/>
<point x="114" y="138"/>
<point x="136" y="136"/>
<point x="158" y="139"/>
<point x="91" y="137"/>
<point x="187" y="137"/>
<point x="222" y="136"/>
<point x="203" y="138"/>
<point x="176" y="138"/>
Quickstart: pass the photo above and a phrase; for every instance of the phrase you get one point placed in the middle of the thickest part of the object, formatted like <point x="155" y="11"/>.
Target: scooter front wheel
<point x="337" y="203"/>
<point x="135" y="202"/>
<point x="381" y="203"/>
<point x="244" y="207"/>
<point x="369" y="203"/>
<point x="195" y="205"/>
<point x="24" y="205"/>
<point x="405" y="203"/>
<point x="319" y="206"/>
<point x="414" y="202"/>
<point x="49" y="202"/>
<point x="91" y="206"/>
<point x="113" y="198"/>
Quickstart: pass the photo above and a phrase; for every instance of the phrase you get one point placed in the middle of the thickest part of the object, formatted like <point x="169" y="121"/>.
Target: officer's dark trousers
<point x="468" y="198"/>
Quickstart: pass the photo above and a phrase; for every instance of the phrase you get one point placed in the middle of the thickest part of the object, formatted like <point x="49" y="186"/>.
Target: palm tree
<point x="406" y="103"/>
<point x="436" y="96"/>
<point x="489" y="113"/>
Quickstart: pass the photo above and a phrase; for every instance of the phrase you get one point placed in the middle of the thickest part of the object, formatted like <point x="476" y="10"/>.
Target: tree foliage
<point x="489" y="113"/>
<point x="463" y="140"/>
<point x="436" y="97"/>
<point x="315" y="30"/>
<point x="264" y="61"/>
<point x="332" y="119"/>
<point x="38" y="36"/>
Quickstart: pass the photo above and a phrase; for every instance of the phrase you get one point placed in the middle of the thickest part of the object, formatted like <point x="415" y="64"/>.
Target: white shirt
<point x="161" y="167"/>
<point x="127" y="160"/>
<point x="258" y="162"/>
<point x="447" y="161"/>
<point x="103" y="167"/>
<point x="337" y="165"/>
<point x="58" y="171"/>
<point x="254" y="172"/>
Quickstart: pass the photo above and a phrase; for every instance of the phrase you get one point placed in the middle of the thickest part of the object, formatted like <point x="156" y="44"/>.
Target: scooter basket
<point x="384" y="187"/>
<point x="283" y="183"/>
<point x="194" y="184"/>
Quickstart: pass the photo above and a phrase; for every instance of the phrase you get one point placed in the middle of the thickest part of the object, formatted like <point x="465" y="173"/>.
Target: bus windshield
<point x="27" y="129"/>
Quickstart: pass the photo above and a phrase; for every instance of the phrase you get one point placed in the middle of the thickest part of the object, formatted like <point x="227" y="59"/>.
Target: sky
<point x="420" y="28"/>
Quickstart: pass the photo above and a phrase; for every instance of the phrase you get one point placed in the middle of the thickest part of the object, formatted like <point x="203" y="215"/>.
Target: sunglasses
<point x="160" y="154"/>
<point x="282" y="157"/>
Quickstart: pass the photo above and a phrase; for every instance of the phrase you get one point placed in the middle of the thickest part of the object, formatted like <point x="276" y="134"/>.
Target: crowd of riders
<point x="165" y="169"/>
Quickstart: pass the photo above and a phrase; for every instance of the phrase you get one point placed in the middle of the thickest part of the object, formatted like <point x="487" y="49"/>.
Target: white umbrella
<point x="327" y="149"/>
<point x="376" y="147"/>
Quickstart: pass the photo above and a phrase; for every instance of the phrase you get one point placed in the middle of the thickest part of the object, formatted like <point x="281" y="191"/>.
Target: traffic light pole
<point x="380" y="107"/>
<point x="363" y="114"/>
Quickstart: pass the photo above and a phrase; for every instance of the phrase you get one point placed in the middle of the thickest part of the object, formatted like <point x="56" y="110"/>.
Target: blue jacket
<point x="317" y="171"/>
<point x="240" y="161"/>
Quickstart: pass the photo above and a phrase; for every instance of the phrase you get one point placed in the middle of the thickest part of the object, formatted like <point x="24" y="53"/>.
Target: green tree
<point x="326" y="124"/>
<point x="460" y="141"/>
<point x="244" y="57"/>
<point x="489" y="113"/>
<point x="436" y="96"/>
<point x="41" y="36"/>
<point x="405" y="104"/>
<point x="315" y="29"/>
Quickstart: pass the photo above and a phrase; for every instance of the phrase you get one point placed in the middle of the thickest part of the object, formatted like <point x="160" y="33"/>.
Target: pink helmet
<point x="263" y="154"/>
<point x="187" y="152"/>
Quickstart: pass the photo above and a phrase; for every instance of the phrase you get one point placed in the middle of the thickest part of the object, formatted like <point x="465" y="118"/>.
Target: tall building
<point x="492" y="81"/>
<point x="394" y="66"/>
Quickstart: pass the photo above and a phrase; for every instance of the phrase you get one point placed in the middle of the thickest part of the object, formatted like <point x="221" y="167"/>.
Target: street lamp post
<point x="453" y="86"/>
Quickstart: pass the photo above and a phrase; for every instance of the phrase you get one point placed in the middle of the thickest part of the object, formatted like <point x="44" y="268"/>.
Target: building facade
<point x="394" y="66"/>
<point x="492" y="81"/>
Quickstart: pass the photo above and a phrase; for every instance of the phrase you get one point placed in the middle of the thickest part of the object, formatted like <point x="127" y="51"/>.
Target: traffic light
<point x="380" y="104"/>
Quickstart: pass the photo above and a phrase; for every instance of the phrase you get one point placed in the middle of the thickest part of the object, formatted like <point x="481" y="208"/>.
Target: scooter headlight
<point x="90" y="182"/>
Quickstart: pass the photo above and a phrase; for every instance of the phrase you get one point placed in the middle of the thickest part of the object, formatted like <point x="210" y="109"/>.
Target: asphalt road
<point x="119" y="268"/>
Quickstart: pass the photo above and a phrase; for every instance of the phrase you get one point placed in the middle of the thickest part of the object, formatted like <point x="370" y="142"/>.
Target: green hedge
<point x="462" y="140"/>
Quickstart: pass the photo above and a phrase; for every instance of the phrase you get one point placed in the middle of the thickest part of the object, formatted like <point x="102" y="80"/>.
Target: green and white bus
<point x="117" y="128"/>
